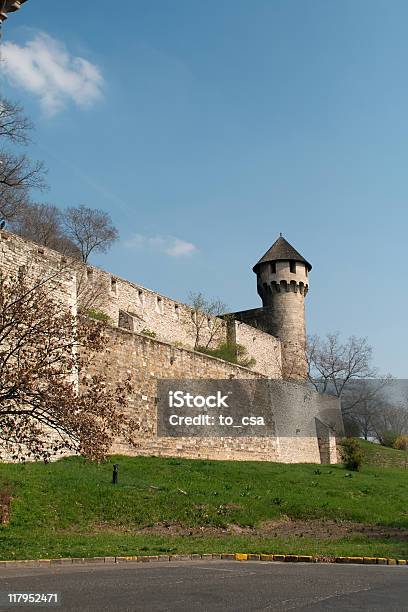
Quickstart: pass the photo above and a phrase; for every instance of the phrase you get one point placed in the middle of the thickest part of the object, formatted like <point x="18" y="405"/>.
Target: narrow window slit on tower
<point x="113" y="284"/>
<point x="292" y="266"/>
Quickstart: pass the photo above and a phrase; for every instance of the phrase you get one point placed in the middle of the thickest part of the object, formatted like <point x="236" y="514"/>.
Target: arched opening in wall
<point x="89" y="275"/>
<point x="114" y="285"/>
<point x="292" y="266"/>
<point x="301" y="288"/>
<point x="284" y="285"/>
<point x="176" y="312"/>
<point x="293" y="286"/>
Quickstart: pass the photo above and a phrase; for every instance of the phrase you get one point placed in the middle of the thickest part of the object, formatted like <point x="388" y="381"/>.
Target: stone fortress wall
<point x="16" y="254"/>
<point x="147" y="359"/>
<point x="135" y="311"/>
<point x="138" y="309"/>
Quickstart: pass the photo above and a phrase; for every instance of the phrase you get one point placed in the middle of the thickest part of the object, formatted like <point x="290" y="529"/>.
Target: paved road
<point x="216" y="586"/>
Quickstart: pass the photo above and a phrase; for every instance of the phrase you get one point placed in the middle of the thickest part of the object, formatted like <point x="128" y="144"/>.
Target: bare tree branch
<point x="42" y="223"/>
<point x="42" y="348"/>
<point x="205" y="318"/>
<point x="14" y="126"/>
<point x="90" y="230"/>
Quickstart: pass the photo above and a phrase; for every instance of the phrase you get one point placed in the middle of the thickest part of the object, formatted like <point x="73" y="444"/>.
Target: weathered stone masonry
<point x="146" y="360"/>
<point x="273" y="337"/>
<point x="136" y="308"/>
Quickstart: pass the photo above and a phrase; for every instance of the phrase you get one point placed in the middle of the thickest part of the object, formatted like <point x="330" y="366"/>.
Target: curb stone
<point x="265" y="557"/>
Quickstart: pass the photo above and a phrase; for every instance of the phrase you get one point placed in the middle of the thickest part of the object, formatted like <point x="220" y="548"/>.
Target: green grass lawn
<point x="70" y="508"/>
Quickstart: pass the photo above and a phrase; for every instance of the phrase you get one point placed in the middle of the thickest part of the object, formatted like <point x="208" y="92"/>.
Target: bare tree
<point x="90" y="230"/>
<point x="18" y="175"/>
<point x="362" y="402"/>
<point x="333" y="364"/>
<point x="42" y="223"/>
<point x="345" y="369"/>
<point x="43" y="347"/>
<point x="14" y="125"/>
<point x="205" y="318"/>
<point x="391" y="421"/>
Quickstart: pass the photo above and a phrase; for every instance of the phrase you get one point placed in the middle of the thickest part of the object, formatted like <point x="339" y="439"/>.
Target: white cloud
<point x="180" y="247"/>
<point x="169" y="245"/>
<point x="45" y="68"/>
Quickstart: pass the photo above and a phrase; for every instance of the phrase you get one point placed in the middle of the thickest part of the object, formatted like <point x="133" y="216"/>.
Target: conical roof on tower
<point x="281" y="250"/>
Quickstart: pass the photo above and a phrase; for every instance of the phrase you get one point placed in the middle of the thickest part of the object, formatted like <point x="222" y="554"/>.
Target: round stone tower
<point x="283" y="282"/>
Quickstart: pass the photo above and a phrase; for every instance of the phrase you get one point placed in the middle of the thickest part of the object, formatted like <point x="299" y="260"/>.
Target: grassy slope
<point x="377" y="455"/>
<point x="70" y="508"/>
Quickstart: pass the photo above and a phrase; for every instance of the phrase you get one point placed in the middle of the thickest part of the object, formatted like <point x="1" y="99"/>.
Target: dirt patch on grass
<point x="5" y="505"/>
<point x="280" y="528"/>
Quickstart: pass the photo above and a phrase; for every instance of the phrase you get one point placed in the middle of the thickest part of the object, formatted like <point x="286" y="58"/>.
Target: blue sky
<point x="206" y="128"/>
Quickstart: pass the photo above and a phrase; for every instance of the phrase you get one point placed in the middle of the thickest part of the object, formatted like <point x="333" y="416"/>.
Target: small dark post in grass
<point x="115" y="473"/>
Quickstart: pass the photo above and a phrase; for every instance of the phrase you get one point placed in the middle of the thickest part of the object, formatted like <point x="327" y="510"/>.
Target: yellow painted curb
<point x="207" y="556"/>
<point x="370" y="560"/>
<point x="381" y="561"/>
<point x="356" y="559"/>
